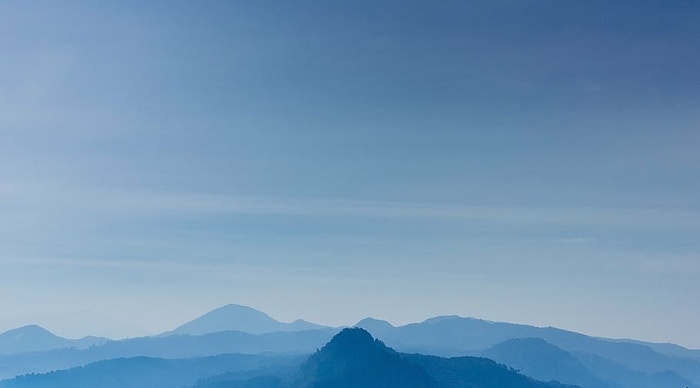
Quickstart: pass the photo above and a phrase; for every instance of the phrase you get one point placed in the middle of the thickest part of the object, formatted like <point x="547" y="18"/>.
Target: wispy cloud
<point x="193" y="269"/>
<point x="149" y="203"/>
<point x="687" y="266"/>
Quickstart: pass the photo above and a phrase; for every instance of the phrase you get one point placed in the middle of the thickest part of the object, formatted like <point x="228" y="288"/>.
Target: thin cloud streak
<point x="159" y="270"/>
<point x="146" y="203"/>
<point x="128" y="265"/>
<point x="677" y="266"/>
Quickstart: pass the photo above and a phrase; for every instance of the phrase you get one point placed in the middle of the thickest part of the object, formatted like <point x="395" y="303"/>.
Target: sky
<point x="524" y="161"/>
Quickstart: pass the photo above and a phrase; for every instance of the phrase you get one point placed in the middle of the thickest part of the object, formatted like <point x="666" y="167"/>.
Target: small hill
<point x="376" y="327"/>
<point x="669" y="349"/>
<point x="147" y="372"/>
<point x="539" y="359"/>
<point x="354" y="359"/>
<point x="173" y="346"/>
<point x="476" y="372"/>
<point x="301" y="325"/>
<point x="455" y="336"/>
<point x="34" y="338"/>
<point x="254" y="382"/>
<point x="245" y="319"/>
<point x="625" y="377"/>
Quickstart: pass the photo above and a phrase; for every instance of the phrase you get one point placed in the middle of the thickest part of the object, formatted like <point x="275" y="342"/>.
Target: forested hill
<point x="354" y="359"/>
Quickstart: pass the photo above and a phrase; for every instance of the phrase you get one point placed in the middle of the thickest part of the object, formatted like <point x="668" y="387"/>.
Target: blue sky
<point x="527" y="161"/>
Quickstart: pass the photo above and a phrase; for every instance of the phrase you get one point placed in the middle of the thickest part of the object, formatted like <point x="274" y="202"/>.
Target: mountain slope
<point x="245" y="319"/>
<point x="33" y="338"/>
<point x="625" y="377"/>
<point x="376" y="327"/>
<point x="455" y="335"/>
<point x="175" y="346"/>
<point x="669" y="349"/>
<point x="354" y="359"/>
<point x="145" y="372"/>
<point x="539" y="359"/>
<point x="476" y="372"/>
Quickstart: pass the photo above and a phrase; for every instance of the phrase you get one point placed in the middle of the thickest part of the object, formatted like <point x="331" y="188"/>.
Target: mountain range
<point x="351" y="359"/>
<point x="608" y="363"/>
<point x="148" y="372"/>
<point x="169" y="347"/>
<point x="544" y="353"/>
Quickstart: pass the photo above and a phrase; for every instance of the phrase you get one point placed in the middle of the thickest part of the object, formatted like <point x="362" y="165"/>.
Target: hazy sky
<point x="526" y="161"/>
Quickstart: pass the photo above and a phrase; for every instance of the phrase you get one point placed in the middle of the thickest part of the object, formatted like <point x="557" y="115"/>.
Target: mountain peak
<point x="544" y="361"/>
<point x="442" y="318"/>
<point x="236" y="317"/>
<point x="231" y="317"/>
<point x="30" y="331"/>
<point x="301" y="325"/>
<point x="353" y="358"/>
<point x="29" y="338"/>
<point x="373" y="321"/>
<point x="233" y="307"/>
<point x="355" y="345"/>
<point x="351" y="338"/>
<point x="377" y="327"/>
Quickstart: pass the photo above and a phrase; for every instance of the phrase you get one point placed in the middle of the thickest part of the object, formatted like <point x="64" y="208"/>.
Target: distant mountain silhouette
<point x="476" y="372"/>
<point x="542" y="360"/>
<point x="174" y="346"/>
<point x="245" y="319"/>
<point x="668" y="349"/>
<point x="453" y="335"/>
<point x="352" y="359"/>
<point x="33" y="338"/>
<point x="539" y="359"/>
<point x="146" y="372"/>
<point x="254" y="382"/>
<point x="619" y="363"/>
<point x="376" y="327"/>
<point x="625" y="377"/>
